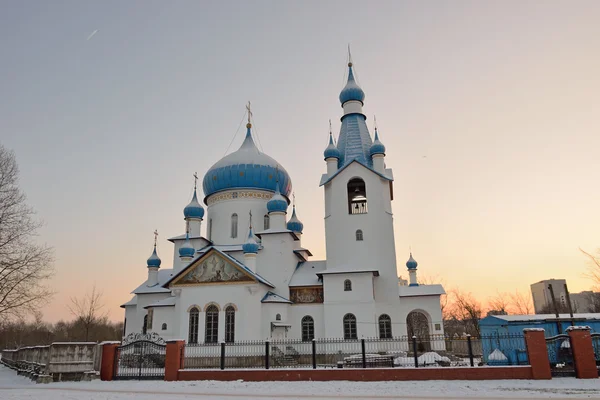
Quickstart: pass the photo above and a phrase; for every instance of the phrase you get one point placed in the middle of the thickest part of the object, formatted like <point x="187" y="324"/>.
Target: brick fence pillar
<point x="537" y="352"/>
<point x="107" y="367"/>
<point x="173" y="359"/>
<point x="583" y="352"/>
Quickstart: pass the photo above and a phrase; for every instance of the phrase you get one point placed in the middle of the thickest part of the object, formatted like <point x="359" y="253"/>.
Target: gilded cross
<point x="250" y="212"/>
<point x="155" y="236"/>
<point x="195" y="179"/>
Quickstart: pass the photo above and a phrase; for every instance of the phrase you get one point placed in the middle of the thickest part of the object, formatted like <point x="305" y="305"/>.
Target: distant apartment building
<point x="582" y="302"/>
<point x="541" y="294"/>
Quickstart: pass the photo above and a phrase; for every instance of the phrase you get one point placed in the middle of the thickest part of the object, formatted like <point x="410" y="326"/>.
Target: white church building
<point x="248" y="277"/>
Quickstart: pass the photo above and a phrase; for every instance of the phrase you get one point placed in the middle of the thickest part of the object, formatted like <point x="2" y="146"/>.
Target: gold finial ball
<point x="350" y="64"/>
<point x="248" y="125"/>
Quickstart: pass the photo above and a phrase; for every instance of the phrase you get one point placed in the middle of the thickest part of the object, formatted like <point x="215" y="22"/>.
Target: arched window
<point x="234" y="225"/>
<point x="359" y="235"/>
<point x="209" y="234"/>
<point x="278" y="317"/>
<point x="308" y="329"/>
<point x="212" y="324"/>
<point x="145" y="327"/>
<point x="347" y="285"/>
<point x="163" y="327"/>
<point x="230" y="324"/>
<point x="350" y="327"/>
<point x="150" y="316"/>
<point x="267" y="222"/>
<point x="357" y="196"/>
<point x="385" y="327"/>
<point x="193" y="326"/>
<point x="124" y="327"/>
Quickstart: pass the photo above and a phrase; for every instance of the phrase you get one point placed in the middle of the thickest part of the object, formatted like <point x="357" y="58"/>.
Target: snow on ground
<point x="13" y="387"/>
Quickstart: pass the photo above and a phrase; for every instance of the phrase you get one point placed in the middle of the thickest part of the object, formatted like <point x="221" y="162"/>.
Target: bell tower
<point x="359" y="231"/>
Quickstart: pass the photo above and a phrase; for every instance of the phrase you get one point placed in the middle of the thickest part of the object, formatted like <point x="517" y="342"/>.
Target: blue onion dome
<point x="411" y="263"/>
<point x="186" y="249"/>
<point x="154" y="260"/>
<point x="331" y="151"/>
<point x="251" y="246"/>
<point x="278" y="203"/>
<point x="194" y="209"/>
<point x="246" y="168"/>
<point x="377" y="147"/>
<point x="294" y="224"/>
<point x="351" y="91"/>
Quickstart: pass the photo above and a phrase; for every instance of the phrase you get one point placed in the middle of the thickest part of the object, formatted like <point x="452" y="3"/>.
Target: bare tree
<point x="521" y="303"/>
<point x="499" y="303"/>
<point x="88" y="311"/>
<point x="594" y="273"/>
<point x="468" y="310"/>
<point x="25" y="266"/>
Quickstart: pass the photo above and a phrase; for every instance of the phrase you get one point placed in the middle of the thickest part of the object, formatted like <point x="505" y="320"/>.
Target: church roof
<point x="271" y="297"/>
<point x="182" y="237"/>
<point x="168" y="302"/>
<point x="132" y="302"/>
<point x="205" y="251"/>
<point x="421" y="290"/>
<point x="273" y="231"/>
<point x="247" y="168"/>
<point x="326" y="178"/>
<point x="163" y="276"/>
<point x="306" y="273"/>
<point x="354" y="142"/>
<point x="349" y="271"/>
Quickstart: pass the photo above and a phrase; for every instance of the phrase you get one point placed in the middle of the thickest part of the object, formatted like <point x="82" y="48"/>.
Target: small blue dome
<point x="377" y="147"/>
<point x="186" y="249"/>
<point x="251" y="246"/>
<point x="194" y="209"/>
<point x="278" y="203"/>
<point x="294" y="224"/>
<point x="411" y="263"/>
<point x="331" y="151"/>
<point x="351" y="91"/>
<point x="154" y="261"/>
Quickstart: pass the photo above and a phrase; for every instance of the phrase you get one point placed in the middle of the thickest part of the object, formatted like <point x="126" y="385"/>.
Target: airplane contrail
<point x="92" y="34"/>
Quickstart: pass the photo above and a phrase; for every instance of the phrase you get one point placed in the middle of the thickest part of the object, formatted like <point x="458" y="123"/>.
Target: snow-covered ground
<point x="13" y="387"/>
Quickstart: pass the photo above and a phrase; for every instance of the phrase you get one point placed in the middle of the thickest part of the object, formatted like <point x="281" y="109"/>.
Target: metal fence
<point x="402" y="352"/>
<point x="560" y="355"/>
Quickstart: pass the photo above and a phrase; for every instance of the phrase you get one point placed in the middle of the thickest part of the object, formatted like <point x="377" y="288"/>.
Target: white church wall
<point x="299" y="311"/>
<point x="334" y="319"/>
<point x="269" y="315"/>
<point x="131" y="320"/>
<point x="164" y="316"/>
<point x="276" y="262"/>
<point x="377" y="249"/>
<point x="220" y="213"/>
<point x="361" y="288"/>
<point x="135" y="319"/>
<point x="246" y="298"/>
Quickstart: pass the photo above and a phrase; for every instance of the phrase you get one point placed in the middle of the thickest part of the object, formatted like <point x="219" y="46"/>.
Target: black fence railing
<point x="560" y="355"/>
<point x="402" y="352"/>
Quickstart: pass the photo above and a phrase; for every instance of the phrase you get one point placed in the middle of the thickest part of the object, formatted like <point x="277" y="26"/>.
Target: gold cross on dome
<point x="195" y="179"/>
<point x="155" y="236"/>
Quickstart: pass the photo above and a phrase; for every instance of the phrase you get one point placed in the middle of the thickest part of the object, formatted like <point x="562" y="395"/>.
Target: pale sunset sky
<point x="490" y="112"/>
